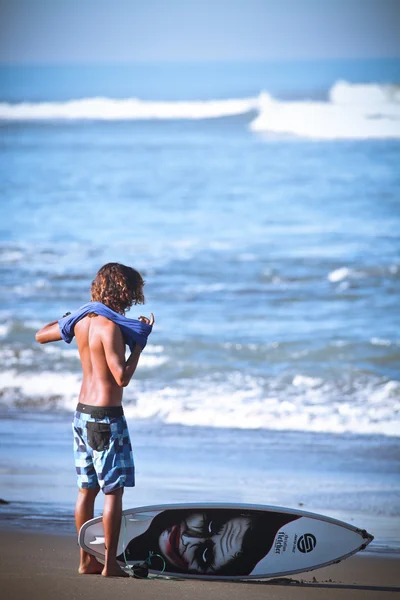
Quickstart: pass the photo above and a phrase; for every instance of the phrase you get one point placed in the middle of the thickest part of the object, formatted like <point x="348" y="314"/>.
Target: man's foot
<point x="114" y="570"/>
<point x="90" y="566"/>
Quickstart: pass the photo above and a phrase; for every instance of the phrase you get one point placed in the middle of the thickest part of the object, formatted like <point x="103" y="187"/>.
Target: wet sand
<point x="43" y="566"/>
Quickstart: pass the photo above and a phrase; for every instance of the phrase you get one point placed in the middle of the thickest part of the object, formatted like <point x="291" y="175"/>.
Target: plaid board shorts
<point x="102" y="448"/>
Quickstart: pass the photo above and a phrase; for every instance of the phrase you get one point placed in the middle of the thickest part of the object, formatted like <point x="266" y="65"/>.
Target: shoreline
<point x="44" y="565"/>
<point x="50" y="517"/>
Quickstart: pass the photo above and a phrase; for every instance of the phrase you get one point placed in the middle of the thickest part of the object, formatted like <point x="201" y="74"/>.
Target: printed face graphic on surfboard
<point x="211" y="542"/>
<point x="199" y="544"/>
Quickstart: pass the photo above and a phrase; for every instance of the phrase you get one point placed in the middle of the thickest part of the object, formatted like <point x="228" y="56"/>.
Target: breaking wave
<point x="352" y="111"/>
<point x="130" y="109"/>
<point x="298" y="403"/>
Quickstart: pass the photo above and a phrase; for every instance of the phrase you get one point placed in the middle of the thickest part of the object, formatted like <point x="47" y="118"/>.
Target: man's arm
<point x="49" y="333"/>
<point x="114" y="350"/>
<point x="131" y="364"/>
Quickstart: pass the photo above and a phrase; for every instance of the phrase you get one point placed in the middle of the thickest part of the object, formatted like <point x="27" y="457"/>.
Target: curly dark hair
<point x="118" y="287"/>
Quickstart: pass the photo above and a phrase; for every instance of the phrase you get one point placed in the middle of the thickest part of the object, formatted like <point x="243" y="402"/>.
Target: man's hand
<point x="146" y="320"/>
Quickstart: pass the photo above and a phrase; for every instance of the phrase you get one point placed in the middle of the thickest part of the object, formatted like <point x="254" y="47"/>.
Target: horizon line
<point x="161" y="62"/>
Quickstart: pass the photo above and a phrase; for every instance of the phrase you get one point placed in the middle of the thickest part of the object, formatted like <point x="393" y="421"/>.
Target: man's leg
<point x="84" y="510"/>
<point x="112" y="515"/>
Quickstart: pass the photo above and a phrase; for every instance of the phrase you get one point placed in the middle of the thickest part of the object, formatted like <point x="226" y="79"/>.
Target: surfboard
<point x="226" y="541"/>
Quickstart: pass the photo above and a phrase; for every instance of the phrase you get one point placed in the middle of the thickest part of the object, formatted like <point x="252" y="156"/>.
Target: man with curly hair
<point x="103" y="451"/>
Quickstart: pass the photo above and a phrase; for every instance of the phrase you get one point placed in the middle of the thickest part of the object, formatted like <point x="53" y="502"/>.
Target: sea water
<point x="261" y="204"/>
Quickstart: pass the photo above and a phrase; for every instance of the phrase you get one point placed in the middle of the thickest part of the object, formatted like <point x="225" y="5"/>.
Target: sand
<point x="40" y="565"/>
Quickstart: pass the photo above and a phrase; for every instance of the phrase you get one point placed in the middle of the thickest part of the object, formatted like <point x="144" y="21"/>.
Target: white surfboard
<point x="226" y="541"/>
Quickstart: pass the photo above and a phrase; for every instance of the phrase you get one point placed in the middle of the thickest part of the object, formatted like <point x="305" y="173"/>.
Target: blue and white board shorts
<point x="102" y="448"/>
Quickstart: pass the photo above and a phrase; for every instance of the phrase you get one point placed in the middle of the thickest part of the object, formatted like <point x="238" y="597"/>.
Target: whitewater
<point x="351" y="111"/>
<point x="47" y="379"/>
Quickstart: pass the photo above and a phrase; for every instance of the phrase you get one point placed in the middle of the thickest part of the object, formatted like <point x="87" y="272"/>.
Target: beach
<point x="44" y="566"/>
<point x="39" y="551"/>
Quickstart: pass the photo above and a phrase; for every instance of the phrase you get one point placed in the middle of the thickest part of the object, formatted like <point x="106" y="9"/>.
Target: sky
<point x="128" y="31"/>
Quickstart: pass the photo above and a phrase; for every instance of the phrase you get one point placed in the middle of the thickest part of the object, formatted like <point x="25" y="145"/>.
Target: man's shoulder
<point x="96" y="323"/>
<point x="101" y="322"/>
<point x="104" y="328"/>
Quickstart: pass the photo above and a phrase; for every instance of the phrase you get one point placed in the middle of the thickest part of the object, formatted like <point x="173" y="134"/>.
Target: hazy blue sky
<point x="87" y="31"/>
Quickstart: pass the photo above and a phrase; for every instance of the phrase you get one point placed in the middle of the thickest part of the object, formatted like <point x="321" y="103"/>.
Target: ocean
<point x="261" y="204"/>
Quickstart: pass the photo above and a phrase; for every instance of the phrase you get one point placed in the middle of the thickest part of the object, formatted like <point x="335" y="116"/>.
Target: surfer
<point x="103" y="451"/>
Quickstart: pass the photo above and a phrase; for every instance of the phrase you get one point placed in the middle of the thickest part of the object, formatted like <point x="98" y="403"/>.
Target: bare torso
<point x="102" y="352"/>
<point x="99" y="387"/>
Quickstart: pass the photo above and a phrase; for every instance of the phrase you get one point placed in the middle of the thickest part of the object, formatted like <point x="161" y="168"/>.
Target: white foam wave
<point x="5" y="329"/>
<point x="149" y="359"/>
<point x="339" y="274"/>
<point x="108" y="109"/>
<point x="380" y="342"/>
<point x="346" y="94"/>
<point x="352" y="112"/>
<point x="39" y="386"/>
<point x="302" y="380"/>
<point x="310" y="408"/>
<point x="10" y="256"/>
<point x="12" y="357"/>
<point x="301" y="403"/>
<point x="60" y="351"/>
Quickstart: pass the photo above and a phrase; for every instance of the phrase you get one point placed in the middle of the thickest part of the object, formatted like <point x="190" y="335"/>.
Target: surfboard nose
<point x="368" y="537"/>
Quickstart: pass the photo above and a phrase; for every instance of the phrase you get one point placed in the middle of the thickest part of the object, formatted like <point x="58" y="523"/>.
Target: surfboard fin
<point x="98" y="541"/>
